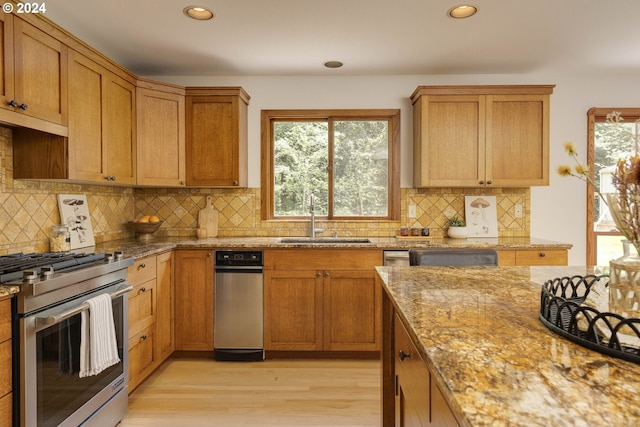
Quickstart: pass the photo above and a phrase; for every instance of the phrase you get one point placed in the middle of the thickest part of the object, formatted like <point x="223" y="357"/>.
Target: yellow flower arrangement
<point x="580" y="170"/>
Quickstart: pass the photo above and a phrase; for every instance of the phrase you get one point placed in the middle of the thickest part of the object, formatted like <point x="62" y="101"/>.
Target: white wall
<point x="557" y="211"/>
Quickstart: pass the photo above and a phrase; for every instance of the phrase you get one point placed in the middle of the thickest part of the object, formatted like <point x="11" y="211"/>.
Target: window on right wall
<point x="606" y="143"/>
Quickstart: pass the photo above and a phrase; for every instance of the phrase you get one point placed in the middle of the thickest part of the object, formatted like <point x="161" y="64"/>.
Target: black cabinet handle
<point x="489" y="182"/>
<point x="143" y="337"/>
<point x="23" y="107"/>
<point x="13" y="103"/>
<point x="402" y="355"/>
<point x="542" y="254"/>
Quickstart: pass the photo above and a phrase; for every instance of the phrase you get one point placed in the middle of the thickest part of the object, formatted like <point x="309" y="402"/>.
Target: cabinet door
<point x="216" y="141"/>
<point x="119" y="130"/>
<point x="41" y="83"/>
<point x="101" y="124"/>
<point x="413" y="403"/>
<point x="293" y="310"/>
<point x="449" y="141"/>
<point x="7" y="92"/>
<point x="351" y="311"/>
<point x="161" y="138"/>
<point x="518" y="140"/>
<point x="194" y="300"/>
<point x="85" y="119"/>
<point x="165" y="323"/>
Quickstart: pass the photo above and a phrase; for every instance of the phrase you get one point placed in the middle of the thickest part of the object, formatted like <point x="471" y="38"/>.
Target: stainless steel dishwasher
<point x="238" y="308"/>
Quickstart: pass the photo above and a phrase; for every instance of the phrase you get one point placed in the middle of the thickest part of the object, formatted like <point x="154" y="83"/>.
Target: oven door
<point x="51" y="392"/>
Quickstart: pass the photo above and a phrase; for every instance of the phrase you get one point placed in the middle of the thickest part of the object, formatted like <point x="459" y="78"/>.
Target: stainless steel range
<point x="54" y="288"/>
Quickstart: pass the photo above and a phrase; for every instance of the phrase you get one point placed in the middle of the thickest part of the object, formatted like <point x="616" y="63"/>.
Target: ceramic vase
<point x="458" y="232"/>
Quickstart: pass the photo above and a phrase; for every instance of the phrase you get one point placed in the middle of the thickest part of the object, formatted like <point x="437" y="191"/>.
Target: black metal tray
<point x="562" y="311"/>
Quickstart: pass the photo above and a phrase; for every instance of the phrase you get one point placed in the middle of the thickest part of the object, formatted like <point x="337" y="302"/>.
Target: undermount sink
<point x="325" y="240"/>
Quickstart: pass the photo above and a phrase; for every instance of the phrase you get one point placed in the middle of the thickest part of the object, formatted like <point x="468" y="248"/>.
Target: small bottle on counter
<point x="60" y="240"/>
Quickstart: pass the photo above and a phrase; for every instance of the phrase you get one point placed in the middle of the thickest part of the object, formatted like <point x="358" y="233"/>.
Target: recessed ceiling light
<point x="462" y="11"/>
<point x="200" y="13"/>
<point x="333" y="64"/>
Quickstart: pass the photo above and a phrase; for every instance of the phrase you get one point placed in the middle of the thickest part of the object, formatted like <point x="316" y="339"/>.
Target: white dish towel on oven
<point x="98" y="344"/>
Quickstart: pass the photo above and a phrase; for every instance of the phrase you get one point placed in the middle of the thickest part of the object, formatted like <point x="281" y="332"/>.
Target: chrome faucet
<point x="312" y="210"/>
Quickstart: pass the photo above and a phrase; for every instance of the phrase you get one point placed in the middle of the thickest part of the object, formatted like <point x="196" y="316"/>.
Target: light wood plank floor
<point x="309" y="393"/>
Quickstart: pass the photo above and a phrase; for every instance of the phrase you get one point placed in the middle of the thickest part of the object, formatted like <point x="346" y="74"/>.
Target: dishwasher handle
<point x="238" y="269"/>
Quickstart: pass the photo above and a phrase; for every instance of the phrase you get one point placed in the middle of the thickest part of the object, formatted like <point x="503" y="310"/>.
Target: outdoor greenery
<point x="612" y="142"/>
<point x="357" y="175"/>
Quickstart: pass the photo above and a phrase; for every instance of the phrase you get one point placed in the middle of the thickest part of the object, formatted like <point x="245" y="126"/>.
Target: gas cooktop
<point x="46" y="278"/>
<point x="12" y="266"/>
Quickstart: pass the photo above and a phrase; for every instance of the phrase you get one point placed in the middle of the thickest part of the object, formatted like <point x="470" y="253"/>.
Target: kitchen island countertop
<point x="497" y="365"/>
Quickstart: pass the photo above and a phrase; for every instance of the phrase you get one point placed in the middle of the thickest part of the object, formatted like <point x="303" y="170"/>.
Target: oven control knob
<point x="46" y="273"/>
<point x="119" y="255"/>
<point x="108" y="258"/>
<point x="29" y="276"/>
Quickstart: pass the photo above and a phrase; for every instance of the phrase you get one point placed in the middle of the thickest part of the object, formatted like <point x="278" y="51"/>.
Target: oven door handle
<point x="52" y="320"/>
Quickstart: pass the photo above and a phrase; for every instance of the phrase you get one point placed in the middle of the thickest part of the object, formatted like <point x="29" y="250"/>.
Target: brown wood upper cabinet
<point x="33" y="92"/>
<point x="101" y="143"/>
<point x="216" y="136"/>
<point x="477" y="136"/>
<point x="102" y="123"/>
<point x="161" y="134"/>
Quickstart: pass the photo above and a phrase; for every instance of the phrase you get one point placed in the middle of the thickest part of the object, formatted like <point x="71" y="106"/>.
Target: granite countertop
<point x="131" y="247"/>
<point x="136" y="249"/>
<point x="496" y="363"/>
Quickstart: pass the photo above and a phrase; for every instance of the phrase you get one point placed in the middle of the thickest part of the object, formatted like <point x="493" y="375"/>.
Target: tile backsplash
<point x="28" y="209"/>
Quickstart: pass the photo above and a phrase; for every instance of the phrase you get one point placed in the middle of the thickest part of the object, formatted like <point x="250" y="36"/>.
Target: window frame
<point x="595" y="115"/>
<point x="268" y="117"/>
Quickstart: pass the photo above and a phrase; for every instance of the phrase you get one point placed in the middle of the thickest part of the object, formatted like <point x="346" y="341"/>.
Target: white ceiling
<point x="371" y="37"/>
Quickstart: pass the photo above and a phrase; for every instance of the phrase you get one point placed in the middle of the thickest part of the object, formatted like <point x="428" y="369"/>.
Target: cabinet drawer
<point x="142" y="306"/>
<point x="542" y="257"/>
<point x="143" y="270"/>
<point x="142" y="356"/>
<point x="506" y="258"/>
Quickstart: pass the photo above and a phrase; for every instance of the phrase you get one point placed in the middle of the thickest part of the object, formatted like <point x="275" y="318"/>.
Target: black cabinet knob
<point x="402" y="355"/>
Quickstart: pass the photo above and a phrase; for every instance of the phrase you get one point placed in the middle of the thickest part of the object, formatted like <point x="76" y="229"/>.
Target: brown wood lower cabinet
<point x="322" y="300"/>
<point x="6" y="395"/>
<point x="194" y="299"/>
<point x="418" y="401"/>
<point x="151" y="331"/>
